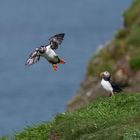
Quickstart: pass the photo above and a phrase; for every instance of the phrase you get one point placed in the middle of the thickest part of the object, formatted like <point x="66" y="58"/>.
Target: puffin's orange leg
<point x="62" y="61"/>
<point x="54" y="67"/>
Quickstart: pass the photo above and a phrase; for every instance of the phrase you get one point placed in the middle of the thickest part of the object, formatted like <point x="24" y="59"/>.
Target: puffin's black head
<point x="41" y="49"/>
<point x="105" y="75"/>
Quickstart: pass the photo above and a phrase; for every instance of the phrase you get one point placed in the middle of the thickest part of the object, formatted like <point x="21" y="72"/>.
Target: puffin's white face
<point x="105" y="74"/>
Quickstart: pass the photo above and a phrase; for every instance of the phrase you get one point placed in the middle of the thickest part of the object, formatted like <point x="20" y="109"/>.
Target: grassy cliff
<point x="114" y="118"/>
<point x="121" y="57"/>
<point x="106" y="118"/>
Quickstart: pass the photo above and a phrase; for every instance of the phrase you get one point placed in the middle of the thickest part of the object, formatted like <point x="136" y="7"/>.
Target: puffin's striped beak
<point x="101" y="74"/>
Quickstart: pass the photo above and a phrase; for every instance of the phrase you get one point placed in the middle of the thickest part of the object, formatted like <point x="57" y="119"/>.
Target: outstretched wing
<point x="33" y="58"/>
<point x="56" y="40"/>
<point x="116" y="87"/>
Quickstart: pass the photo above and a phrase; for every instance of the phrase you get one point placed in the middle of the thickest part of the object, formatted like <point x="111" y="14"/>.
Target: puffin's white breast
<point x="106" y="85"/>
<point x="50" y="55"/>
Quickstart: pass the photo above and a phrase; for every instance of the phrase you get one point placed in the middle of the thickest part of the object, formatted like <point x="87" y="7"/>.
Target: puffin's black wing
<point x="33" y="58"/>
<point x="56" y="40"/>
<point x="116" y="88"/>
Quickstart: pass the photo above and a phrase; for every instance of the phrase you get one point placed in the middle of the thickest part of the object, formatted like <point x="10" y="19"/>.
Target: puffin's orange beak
<point x="101" y="74"/>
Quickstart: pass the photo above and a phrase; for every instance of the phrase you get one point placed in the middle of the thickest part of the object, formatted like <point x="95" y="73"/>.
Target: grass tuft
<point x="112" y="118"/>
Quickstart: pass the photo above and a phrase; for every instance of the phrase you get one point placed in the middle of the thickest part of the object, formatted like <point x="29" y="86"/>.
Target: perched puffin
<point x="47" y="51"/>
<point x="109" y="85"/>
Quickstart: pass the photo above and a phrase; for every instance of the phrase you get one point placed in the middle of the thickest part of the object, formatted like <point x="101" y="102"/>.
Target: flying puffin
<point x="107" y="84"/>
<point x="48" y="52"/>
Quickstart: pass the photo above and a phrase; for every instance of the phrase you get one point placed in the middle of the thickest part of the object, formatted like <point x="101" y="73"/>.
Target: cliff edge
<point x="121" y="57"/>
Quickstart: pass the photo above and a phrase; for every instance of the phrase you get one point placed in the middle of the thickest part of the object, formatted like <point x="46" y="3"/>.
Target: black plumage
<point x="56" y="40"/>
<point x="108" y="84"/>
<point x="33" y="58"/>
<point x="115" y="87"/>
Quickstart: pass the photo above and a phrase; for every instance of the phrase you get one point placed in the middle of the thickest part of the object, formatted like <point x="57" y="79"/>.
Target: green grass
<point x="110" y="118"/>
<point x="133" y="37"/>
<point x="135" y="62"/>
<point x="3" y="138"/>
<point x="132" y="14"/>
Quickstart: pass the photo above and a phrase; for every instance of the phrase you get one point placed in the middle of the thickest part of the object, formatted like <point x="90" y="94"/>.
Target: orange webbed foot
<point x="54" y="67"/>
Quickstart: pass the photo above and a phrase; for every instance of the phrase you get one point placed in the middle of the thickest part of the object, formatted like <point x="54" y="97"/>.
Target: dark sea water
<point x="30" y="95"/>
